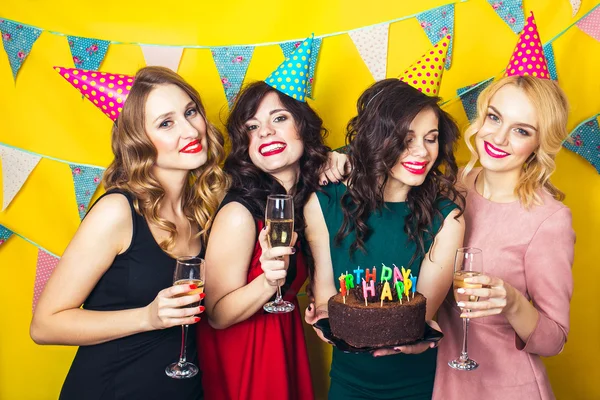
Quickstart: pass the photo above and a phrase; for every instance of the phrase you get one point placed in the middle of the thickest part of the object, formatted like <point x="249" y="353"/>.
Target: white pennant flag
<point x="16" y="167"/>
<point x="163" y="56"/>
<point x="372" y="44"/>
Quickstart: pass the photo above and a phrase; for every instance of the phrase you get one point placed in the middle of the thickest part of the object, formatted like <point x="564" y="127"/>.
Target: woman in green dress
<point x="397" y="206"/>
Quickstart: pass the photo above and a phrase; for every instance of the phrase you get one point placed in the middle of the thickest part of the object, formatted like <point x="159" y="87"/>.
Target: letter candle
<point x="343" y="287"/>
<point x="399" y="289"/>
<point x="414" y="285"/>
<point x="407" y="281"/>
<point x="358" y="272"/>
<point x="386" y="273"/>
<point x="397" y="274"/>
<point x="368" y="288"/>
<point x="349" y="281"/>
<point x="371" y="276"/>
<point x="386" y="293"/>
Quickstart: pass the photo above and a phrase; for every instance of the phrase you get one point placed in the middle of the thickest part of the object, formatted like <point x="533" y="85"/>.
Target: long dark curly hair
<point x="253" y="184"/>
<point x="376" y="139"/>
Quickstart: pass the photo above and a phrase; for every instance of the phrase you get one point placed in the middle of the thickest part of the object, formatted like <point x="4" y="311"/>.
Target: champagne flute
<point x="188" y="270"/>
<point x="279" y="217"/>
<point x="467" y="263"/>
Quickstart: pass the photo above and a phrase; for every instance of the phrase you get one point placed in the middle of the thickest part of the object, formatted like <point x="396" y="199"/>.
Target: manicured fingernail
<point x="461" y="304"/>
<point x="324" y="182"/>
<point x="293" y="250"/>
<point x="264" y="227"/>
<point x="397" y="350"/>
<point x="196" y="319"/>
<point x="310" y="307"/>
<point x="460" y="290"/>
<point x="193" y="286"/>
<point x="201" y="308"/>
<point x="202" y="295"/>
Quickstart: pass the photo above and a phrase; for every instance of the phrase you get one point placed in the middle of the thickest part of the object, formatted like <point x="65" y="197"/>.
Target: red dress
<point x="263" y="357"/>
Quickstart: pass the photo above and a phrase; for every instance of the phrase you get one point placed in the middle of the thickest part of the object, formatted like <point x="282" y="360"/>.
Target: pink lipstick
<point x="494" y="151"/>
<point x="417" y="168"/>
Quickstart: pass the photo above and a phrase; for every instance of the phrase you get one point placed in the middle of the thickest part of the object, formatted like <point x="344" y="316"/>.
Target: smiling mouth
<point x="192" y="147"/>
<point x="494" y="151"/>
<point x="269" y="149"/>
<point x="417" y="168"/>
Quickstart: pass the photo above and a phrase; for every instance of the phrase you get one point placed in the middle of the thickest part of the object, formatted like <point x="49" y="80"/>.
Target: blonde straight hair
<point x="552" y="109"/>
<point x="131" y="169"/>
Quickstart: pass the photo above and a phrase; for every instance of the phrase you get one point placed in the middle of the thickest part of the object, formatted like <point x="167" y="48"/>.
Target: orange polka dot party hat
<point x="107" y="91"/>
<point x="425" y="75"/>
<point x="528" y="57"/>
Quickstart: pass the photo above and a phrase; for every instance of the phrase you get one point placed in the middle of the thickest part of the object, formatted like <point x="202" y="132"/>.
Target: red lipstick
<point x="192" y="147"/>
<point x="271" y="148"/>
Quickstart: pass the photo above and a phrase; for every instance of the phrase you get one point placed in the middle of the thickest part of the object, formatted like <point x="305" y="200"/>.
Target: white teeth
<point x="194" y="147"/>
<point x="496" y="152"/>
<point x="414" y="166"/>
<point x="272" y="147"/>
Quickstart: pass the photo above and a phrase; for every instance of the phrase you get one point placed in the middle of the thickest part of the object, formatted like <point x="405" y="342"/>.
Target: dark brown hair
<point x="377" y="138"/>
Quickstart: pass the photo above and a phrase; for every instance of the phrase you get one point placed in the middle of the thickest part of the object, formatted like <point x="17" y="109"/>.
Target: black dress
<point x="133" y="367"/>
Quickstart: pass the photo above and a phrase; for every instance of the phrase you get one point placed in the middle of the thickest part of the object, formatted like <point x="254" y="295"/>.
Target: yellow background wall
<point x="43" y="114"/>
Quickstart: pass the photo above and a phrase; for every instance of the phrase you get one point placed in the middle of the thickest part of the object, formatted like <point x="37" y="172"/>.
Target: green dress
<point x="362" y="376"/>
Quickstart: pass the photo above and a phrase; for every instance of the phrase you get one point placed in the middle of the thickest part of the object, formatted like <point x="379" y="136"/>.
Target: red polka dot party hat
<point x="528" y="57"/>
<point x="426" y="74"/>
<point x="107" y="91"/>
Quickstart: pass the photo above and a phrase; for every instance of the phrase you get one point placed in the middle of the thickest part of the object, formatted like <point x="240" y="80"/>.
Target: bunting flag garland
<point x="86" y="180"/>
<point x="16" y="167"/>
<point x="585" y="141"/>
<point x="549" y="53"/>
<point x="163" y="56"/>
<point x="511" y="12"/>
<point x="590" y="24"/>
<point x="372" y="45"/>
<point x="575" y="4"/>
<point x="288" y="48"/>
<point x="437" y="24"/>
<point x="46" y="263"/>
<point x="232" y="64"/>
<point x="17" y="40"/>
<point x="469" y="95"/>
<point x="5" y="234"/>
<point x="87" y="53"/>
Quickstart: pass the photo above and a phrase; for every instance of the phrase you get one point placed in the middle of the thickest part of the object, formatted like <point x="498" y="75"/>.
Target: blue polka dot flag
<point x="511" y="12"/>
<point x="469" y="98"/>
<point x="5" y="233"/>
<point x="86" y="180"/>
<point x="87" y="53"/>
<point x="437" y="24"/>
<point x="291" y="77"/>
<point x="17" y="40"/>
<point x="232" y="64"/>
<point x="585" y="141"/>
<point x="289" y="47"/>
<point x="549" y="53"/>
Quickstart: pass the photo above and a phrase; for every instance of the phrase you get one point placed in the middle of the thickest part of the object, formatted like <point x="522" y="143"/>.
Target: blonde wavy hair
<point x="135" y="155"/>
<point x="552" y="110"/>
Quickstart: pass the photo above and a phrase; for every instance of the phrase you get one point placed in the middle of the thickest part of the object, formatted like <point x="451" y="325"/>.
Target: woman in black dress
<point x="163" y="186"/>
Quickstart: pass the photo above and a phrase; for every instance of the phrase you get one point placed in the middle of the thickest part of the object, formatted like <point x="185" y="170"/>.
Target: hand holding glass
<point x="467" y="263"/>
<point x="188" y="270"/>
<point x="279" y="218"/>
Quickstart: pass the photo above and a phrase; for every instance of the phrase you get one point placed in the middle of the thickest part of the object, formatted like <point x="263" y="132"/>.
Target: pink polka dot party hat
<point x="107" y="91"/>
<point x="426" y="74"/>
<point x="528" y="57"/>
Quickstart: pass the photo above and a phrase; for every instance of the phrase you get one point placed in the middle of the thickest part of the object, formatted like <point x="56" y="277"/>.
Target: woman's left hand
<point x="336" y="169"/>
<point x="411" y="349"/>
<point x="495" y="297"/>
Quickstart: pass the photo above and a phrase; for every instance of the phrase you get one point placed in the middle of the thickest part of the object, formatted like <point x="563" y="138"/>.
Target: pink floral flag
<point x="45" y="265"/>
<point x="16" y="167"/>
<point x="372" y="44"/>
<point x="437" y="24"/>
<point x="17" y="39"/>
<point x="511" y="12"/>
<point x="163" y="56"/>
<point x="86" y="179"/>
<point x="87" y="53"/>
<point x="232" y="64"/>
<point x="590" y="24"/>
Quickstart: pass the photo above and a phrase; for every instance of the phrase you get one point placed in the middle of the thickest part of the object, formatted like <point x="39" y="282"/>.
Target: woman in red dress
<point x="246" y="353"/>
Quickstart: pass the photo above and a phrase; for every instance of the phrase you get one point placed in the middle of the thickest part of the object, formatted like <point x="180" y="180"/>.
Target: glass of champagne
<point x="188" y="270"/>
<point x="467" y="263"/>
<point x="279" y="217"/>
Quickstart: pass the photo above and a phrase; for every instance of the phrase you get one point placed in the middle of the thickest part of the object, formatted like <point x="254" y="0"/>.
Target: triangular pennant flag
<point x="575" y="4"/>
<point x="585" y="141"/>
<point x="549" y="53"/>
<point x="469" y="98"/>
<point x="16" y="167"/>
<point x="163" y="56"/>
<point x="87" y="53"/>
<point x="17" y="40"/>
<point x="86" y="180"/>
<point x="511" y="12"/>
<point x="289" y="47"/>
<point x="5" y="233"/>
<point x="45" y="265"/>
<point x="439" y="23"/>
<point x="372" y="44"/>
<point x="591" y="24"/>
<point x="232" y="64"/>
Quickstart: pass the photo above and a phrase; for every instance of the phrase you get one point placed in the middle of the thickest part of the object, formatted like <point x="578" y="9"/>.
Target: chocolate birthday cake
<point x="377" y="324"/>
